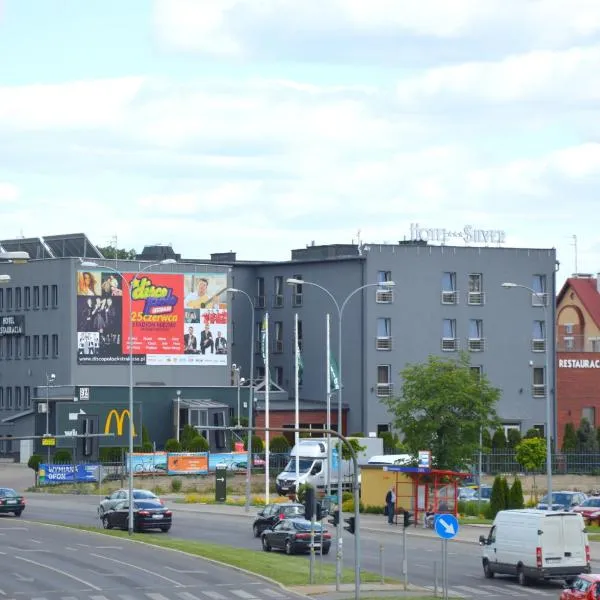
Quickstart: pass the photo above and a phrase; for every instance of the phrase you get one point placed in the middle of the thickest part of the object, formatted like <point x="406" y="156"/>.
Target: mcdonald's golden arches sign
<point x="119" y="419"/>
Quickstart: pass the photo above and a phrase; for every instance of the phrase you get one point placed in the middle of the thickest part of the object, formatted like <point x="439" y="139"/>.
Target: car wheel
<point x="325" y="550"/>
<point x="106" y="523"/>
<point x="256" y="531"/>
<point x="18" y="513"/>
<point x="521" y="577"/>
<point x="265" y="545"/>
<point x="165" y="529"/>
<point x="487" y="570"/>
<point x="289" y="549"/>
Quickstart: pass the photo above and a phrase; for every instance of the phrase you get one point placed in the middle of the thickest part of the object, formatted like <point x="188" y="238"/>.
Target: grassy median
<point x="274" y="565"/>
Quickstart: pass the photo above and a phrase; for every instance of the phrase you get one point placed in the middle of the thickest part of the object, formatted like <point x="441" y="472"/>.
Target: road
<point x="190" y="522"/>
<point x="52" y="563"/>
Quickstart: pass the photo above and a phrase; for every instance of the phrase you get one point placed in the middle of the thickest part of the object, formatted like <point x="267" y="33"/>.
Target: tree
<point x="346" y="455"/>
<point x="172" y="445"/>
<point x="486" y="438"/>
<point x="279" y="445"/>
<point x="499" y="439"/>
<point x="257" y="444"/>
<point x="497" y="498"/>
<point x="531" y="454"/>
<point x="515" y="498"/>
<point x="188" y="434"/>
<point x="198" y="444"/>
<point x="442" y="406"/>
<point x="569" y="443"/>
<point x="34" y="462"/>
<point x="586" y="437"/>
<point x="505" y="493"/>
<point x="513" y="438"/>
<point x="120" y="253"/>
<point x="534" y="432"/>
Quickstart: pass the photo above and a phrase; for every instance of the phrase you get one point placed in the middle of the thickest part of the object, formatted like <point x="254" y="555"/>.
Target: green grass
<point x="474" y="521"/>
<point x="270" y="564"/>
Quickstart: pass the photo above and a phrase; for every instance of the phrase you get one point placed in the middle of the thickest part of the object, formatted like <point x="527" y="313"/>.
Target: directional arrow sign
<point x="220" y="478"/>
<point x="446" y="526"/>
<point x="73" y="416"/>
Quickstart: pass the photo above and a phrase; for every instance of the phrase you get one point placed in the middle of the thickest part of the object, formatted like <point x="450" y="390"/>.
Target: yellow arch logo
<point x="119" y="419"/>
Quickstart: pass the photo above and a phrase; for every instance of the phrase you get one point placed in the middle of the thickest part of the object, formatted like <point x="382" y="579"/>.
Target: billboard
<point x="51" y="474"/>
<point x="176" y="318"/>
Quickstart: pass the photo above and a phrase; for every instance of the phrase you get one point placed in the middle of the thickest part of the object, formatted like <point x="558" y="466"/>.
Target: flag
<point x="263" y="338"/>
<point x="300" y="366"/>
<point x="333" y="375"/>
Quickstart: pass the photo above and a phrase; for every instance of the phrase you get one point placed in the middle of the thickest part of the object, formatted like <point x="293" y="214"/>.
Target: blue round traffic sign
<point x="446" y="526"/>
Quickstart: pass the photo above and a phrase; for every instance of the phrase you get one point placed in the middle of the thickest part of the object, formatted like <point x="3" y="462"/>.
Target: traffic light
<point x="335" y="518"/>
<point x="319" y="512"/>
<point x="309" y="503"/>
<point x="350" y="526"/>
<point x="406" y="516"/>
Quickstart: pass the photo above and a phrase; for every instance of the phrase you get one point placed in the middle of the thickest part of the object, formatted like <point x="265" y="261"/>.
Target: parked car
<point x="294" y="535"/>
<point x="466" y="494"/>
<point x="120" y="495"/>
<point x="147" y="514"/>
<point x="589" y="510"/>
<point x="584" y="587"/>
<point x="11" y="502"/>
<point x="565" y="500"/>
<point x="271" y="514"/>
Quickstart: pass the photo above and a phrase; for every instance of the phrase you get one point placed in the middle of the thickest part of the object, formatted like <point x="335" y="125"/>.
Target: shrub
<point x="302" y="491"/>
<point x="176" y="485"/>
<point x="34" y="462"/>
<point x="111" y="455"/>
<point x="569" y="443"/>
<point x="172" y="445"/>
<point x="388" y="440"/>
<point x="198" y="444"/>
<point x="497" y="499"/>
<point x="516" y="495"/>
<point x="514" y="437"/>
<point x="505" y="493"/>
<point x="348" y="506"/>
<point x="347" y="496"/>
<point x="373" y="510"/>
<point x="62" y="456"/>
<point x="279" y="444"/>
<point x="499" y="439"/>
<point x="257" y="444"/>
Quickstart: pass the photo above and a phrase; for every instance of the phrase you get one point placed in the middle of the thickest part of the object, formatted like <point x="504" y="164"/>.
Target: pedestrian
<point x="390" y="505"/>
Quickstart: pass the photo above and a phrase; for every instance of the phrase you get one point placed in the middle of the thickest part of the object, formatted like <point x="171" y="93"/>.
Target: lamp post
<point x="543" y="302"/>
<point x="4" y="278"/>
<point x="340" y="311"/>
<point x="250" y="394"/>
<point x="168" y="261"/>
<point x="50" y="379"/>
<point x="178" y="419"/>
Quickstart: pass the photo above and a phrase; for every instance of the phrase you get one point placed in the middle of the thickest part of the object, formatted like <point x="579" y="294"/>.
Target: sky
<point x="261" y="126"/>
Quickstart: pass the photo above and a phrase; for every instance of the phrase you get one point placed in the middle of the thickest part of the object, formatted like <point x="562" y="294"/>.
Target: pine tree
<point x="569" y="443"/>
<point x="497" y="499"/>
<point x="516" y="500"/>
<point x="586" y="437"/>
<point x="499" y="439"/>
<point x="514" y="437"/>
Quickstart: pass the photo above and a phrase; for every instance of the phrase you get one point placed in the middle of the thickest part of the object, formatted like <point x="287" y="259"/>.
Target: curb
<point x="210" y="560"/>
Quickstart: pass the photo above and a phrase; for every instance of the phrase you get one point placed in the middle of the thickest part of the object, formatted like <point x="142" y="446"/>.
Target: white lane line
<point x="214" y="595"/>
<point x="120" y="562"/>
<point x="472" y="590"/>
<point x="243" y="594"/>
<point x="155" y="596"/>
<point x="273" y="593"/>
<point x="60" y="572"/>
<point x="187" y="596"/>
<point x="108" y="547"/>
<point x="36" y="541"/>
<point x="2" y="593"/>
<point x="185" y="571"/>
<point x="71" y="549"/>
<point x="96" y="598"/>
<point x="23" y="578"/>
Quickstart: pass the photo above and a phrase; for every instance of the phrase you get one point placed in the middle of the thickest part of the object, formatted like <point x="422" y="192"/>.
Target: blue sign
<point x="52" y="474"/>
<point x="446" y="526"/>
<point x="232" y="461"/>
<point x="147" y="462"/>
<point x="396" y="469"/>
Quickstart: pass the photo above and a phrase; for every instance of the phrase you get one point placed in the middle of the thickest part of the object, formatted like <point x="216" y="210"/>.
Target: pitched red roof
<point x="587" y="291"/>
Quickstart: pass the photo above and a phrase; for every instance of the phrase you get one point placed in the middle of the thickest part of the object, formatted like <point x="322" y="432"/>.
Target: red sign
<point x="157" y="313"/>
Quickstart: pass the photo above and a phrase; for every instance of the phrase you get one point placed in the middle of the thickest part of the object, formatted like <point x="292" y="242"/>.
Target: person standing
<point x="390" y="503"/>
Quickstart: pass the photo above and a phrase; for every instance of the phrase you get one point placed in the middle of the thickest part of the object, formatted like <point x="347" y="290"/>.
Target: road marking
<point x="184" y="571"/>
<point x="108" y="547"/>
<point x="472" y="590"/>
<point x="14" y="528"/>
<point x="97" y="598"/>
<point x="273" y="593"/>
<point x="83" y="545"/>
<point x="23" y="578"/>
<point x="36" y="541"/>
<point x="120" y="562"/>
<point x="214" y="595"/>
<point x="2" y="593"/>
<point x="242" y="594"/>
<point x="60" y="572"/>
<point x="187" y="596"/>
<point x="156" y="596"/>
<point x="72" y="549"/>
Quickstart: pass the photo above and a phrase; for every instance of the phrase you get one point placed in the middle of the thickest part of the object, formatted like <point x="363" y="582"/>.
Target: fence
<point x="494" y="462"/>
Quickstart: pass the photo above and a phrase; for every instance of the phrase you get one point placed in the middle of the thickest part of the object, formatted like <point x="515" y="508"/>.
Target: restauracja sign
<point x="468" y="234"/>
<point x="578" y="363"/>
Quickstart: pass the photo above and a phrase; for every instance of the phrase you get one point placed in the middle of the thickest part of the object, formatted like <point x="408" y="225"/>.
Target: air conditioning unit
<point x="42" y="407"/>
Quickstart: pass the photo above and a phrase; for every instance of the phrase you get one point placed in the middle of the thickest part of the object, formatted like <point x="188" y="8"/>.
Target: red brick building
<point x="578" y="353"/>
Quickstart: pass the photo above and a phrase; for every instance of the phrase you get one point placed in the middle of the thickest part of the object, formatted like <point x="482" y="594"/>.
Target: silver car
<point x="111" y="501"/>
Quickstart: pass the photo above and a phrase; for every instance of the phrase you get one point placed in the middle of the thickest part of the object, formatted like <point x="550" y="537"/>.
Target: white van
<point x="536" y="544"/>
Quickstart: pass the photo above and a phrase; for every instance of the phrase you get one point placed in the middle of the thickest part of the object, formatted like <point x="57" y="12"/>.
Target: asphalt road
<point x="53" y="563"/>
<point x="465" y="575"/>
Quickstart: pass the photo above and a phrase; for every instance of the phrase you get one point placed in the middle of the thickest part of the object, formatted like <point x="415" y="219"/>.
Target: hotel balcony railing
<point x="577" y="343"/>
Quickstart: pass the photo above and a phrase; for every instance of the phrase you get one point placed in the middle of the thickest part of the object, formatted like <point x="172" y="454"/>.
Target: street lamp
<point x="340" y="311"/>
<point x="543" y="303"/>
<point x="50" y="379"/>
<point x="92" y="265"/>
<point x="4" y="278"/>
<point x="250" y="393"/>
<point x="178" y="420"/>
<point x="17" y="255"/>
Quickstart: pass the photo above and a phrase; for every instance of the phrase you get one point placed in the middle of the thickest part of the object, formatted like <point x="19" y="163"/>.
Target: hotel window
<point x="18" y="398"/>
<point x="36" y="346"/>
<point x="2" y="348"/>
<point x="384" y="295"/>
<point x="54" y="345"/>
<point x="449" y="292"/>
<point x="539" y="382"/>
<point x="278" y="291"/>
<point x="260" y="373"/>
<point x="476" y="295"/>
<point x="27" y="346"/>
<point x="18" y="299"/>
<point x="54" y="296"/>
<point x="9" y="398"/>
<point x="279" y="376"/>
<point x="278" y="343"/>
<point x="1" y="397"/>
<point x="45" y="346"/>
<point x="258" y="337"/>
<point x="297" y="292"/>
<point x="538" y="284"/>
<point x="36" y="297"/>
<point x="384" y="334"/>
<point x="477" y="371"/>
<point x="9" y="299"/>
<point x="589" y="413"/>
<point x="27" y="294"/>
<point x="259" y="300"/>
<point x="45" y="297"/>
<point x="27" y="390"/>
<point x="1" y="299"/>
<point x="9" y="348"/>
<point x="449" y="341"/>
<point x="384" y="381"/>
<point x="18" y="347"/>
<point x="300" y="335"/>
<point x="476" y="339"/>
<point x="538" y="336"/>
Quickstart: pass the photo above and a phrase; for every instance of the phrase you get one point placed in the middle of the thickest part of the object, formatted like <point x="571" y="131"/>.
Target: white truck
<point x="313" y="467"/>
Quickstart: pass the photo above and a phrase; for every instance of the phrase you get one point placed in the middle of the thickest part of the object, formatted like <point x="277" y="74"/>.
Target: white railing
<point x="538" y="390"/>
<point x="384" y="296"/>
<point x="383" y="343"/>
<point x="476" y="344"/>
<point x="476" y="298"/>
<point x="538" y="345"/>
<point x="384" y="390"/>
<point x="449" y="344"/>
<point x="450" y="297"/>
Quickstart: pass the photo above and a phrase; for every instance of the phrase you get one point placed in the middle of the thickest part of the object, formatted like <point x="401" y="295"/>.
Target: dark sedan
<point x="271" y="514"/>
<point x="147" y="514"/>
<point x="11" y="502"/>
<point x="293" y="535"/>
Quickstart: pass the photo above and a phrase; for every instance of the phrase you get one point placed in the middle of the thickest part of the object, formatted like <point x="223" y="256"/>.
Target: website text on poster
<point x="177" y="319"/>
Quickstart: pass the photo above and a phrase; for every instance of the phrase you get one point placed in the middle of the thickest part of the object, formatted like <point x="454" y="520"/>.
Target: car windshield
<point x="591" y="502"/>
<point x="558" y="498"/>
<point x="485" y="492"/>
<point x="148" y="504"/>
<point x="141" y="494"/>
<point x="305" y="526"/>
<point x="7" y="493"/>
<point x="289" y="511"/>
<point x="305" y="465"/>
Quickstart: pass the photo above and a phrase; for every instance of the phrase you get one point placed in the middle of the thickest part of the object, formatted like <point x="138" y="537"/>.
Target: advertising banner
<point x="144" y="463"/>
<point x="232" y="461"/>
<point x="184" y="463"/>
<point x="176" y="318"/>
<point x="53" y="474"/>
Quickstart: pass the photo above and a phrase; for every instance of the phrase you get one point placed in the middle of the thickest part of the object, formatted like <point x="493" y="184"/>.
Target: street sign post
<point x="446" y="526"/>
<point x="220" y="484"/>
<point x="49" y="441"/>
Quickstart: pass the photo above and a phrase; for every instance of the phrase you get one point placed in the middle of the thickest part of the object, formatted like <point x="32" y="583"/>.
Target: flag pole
<point x="328" y="396"/>
<point x="297" y="399"/>
<point x="267" y="419"/>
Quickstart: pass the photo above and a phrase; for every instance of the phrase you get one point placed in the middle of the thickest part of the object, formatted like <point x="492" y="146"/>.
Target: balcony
<point x="449" y="297"/>
<point x="538" y="345"/>
<point x="538" y="390"/>
<point x="476" y="298"/>
<point x="384" y="296"/>
<point x="383" y="343"/>
<point x="384" y="390"/>
<point x="449" y="344"/>
<point x="476" y="344"/>
<point x="577" y="343"/>
<point x="540" y="299"/>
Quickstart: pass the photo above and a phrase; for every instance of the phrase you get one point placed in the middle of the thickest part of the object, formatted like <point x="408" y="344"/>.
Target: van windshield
<point x="305" y="465"/>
